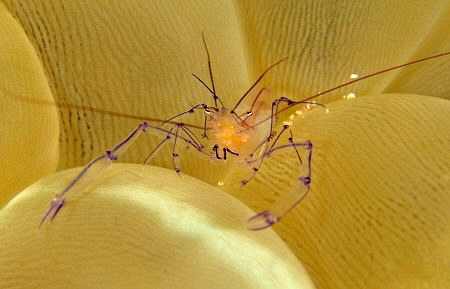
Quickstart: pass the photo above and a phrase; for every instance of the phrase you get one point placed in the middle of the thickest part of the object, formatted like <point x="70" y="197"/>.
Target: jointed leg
<point x="189" y="111"/>
<point x="264" y="144"/>
<point x="175" y="155"/>
<point x="95" y="167"/>
<point x="291" y="198"/>
<point x="200" y="106"/>
<point x="158" y="147"/>
<point x="265" y="152"/>
<point x="91" y="171"/>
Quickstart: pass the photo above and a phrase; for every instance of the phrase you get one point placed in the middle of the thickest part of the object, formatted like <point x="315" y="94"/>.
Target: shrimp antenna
<point x="371" y="75"/>
<point x="68" y="105"/>
<point x="348" y="83"/>
<point x="211" y="74"/>
<point x="256" y="82"/>
<point x="204" y="84"/>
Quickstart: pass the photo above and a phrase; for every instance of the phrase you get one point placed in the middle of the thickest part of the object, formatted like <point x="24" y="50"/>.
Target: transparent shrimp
<point x="226" y="133"/>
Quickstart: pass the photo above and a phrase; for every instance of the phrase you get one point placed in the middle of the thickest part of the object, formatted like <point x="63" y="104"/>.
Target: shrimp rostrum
<point x="234" y="132"/>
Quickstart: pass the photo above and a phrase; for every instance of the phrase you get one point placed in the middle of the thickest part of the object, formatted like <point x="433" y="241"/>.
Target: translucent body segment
<point x="82" y="182"/>
<point x="128" y="141"/>
<point x="86" y="176"/>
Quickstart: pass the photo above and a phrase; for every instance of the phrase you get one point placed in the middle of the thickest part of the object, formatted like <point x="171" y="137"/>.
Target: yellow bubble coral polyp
<point x="140" y="229"/>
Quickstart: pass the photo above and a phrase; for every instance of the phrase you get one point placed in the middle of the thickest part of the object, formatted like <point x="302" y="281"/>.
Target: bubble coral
<point x="379" y="204"/>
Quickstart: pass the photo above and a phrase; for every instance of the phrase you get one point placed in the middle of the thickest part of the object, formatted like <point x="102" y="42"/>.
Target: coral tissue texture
<point x="380" y="200"/>
<point x="140" y="229"/>
<point x="378" y="210"/>
<point x="28" y="133"/>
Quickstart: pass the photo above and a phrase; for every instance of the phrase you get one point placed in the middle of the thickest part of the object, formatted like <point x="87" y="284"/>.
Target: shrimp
<point x="246" y="135"/>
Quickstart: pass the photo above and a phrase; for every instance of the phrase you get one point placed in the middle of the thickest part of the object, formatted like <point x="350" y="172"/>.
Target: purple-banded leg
<point x="264" y="149"/>
<point x="263" y="146"/>
<point x="95" y="167"/>
<point x="91" y="171"/>
<point x="175" y="155"/>
<point x="159" y="146"/>
<point x="189" y="111"/>
<point x="200" y="106"/>
<point x="291" y="198"/>
<point x="191" y="141"/>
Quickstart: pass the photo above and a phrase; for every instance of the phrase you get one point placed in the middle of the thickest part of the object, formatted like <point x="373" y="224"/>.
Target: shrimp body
<point x="250" y="137"/>
<point x="235" y="134"/>
<point x="226" y="131"/>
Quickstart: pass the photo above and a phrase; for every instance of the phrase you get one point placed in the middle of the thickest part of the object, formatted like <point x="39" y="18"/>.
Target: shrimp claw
<point x="261" y="221"/>
<point x="55" y="206"/>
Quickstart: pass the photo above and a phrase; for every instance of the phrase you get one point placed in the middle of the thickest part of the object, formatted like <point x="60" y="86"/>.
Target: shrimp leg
<point x="263" y="146"/>
<point x="274" y="214"/>
<point x="291" y="199"/>
<point x="95" y="167"/>
<point x="264" y="152"/>
<point x="294" y="196"/>
<point x="90" y="172"/>
<point x="189" y="111"/>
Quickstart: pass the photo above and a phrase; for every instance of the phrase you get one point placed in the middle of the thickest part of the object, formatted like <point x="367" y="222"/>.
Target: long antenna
<point x="348" y="83"/>
<point x="64" y="104"/>
<point x="211" y="74"/>
<point x="203" y="83"/>
<point x="256" y="82"/>
<point x="372" y="74"/>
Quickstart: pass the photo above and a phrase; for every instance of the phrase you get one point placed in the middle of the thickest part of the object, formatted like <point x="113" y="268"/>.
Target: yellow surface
<point x="29" y="133"/>
<point x="140" y="229"/>
<point x="374" y="217"/>
<point x="378" y="210"/>
<point x="137" y="57"/>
